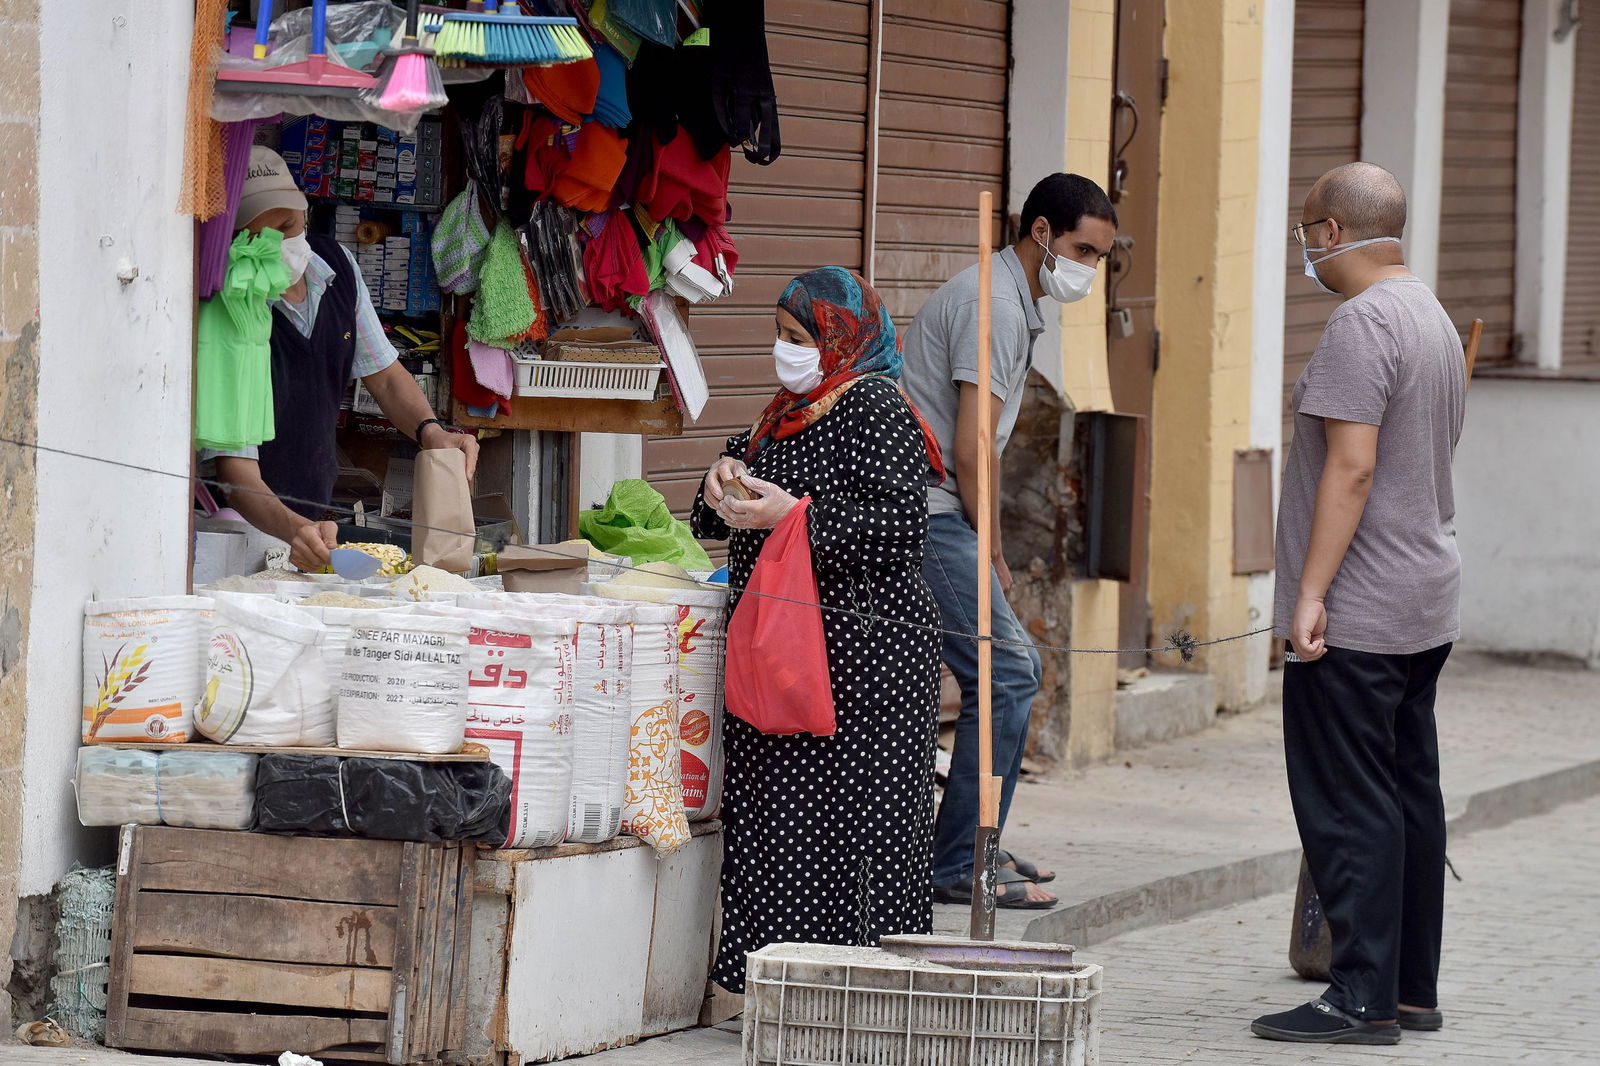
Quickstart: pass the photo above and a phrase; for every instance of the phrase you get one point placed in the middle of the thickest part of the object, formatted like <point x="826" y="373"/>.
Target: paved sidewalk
<point x="1518" y="985"/>
<point x="1204" y="821"/>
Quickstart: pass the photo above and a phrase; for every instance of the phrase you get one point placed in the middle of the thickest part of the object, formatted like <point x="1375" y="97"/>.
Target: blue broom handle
<point x="263" y="28"/>
<point x="319" y="27"/>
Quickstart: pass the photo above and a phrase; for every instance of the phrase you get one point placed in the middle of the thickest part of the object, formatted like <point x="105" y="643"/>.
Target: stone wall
<point x="19" y="354"/>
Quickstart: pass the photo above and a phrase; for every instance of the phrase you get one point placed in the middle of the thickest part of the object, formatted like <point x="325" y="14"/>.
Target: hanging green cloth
<point x="233" y="347"/>
<point x="503" y="311"/>
<point x="636" y="522"/>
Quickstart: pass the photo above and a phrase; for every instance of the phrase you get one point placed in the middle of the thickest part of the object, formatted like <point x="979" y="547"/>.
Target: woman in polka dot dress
<point x="828" y="839"/>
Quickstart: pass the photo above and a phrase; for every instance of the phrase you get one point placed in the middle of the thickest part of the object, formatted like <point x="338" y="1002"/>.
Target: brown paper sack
<point x="441" y="502"/>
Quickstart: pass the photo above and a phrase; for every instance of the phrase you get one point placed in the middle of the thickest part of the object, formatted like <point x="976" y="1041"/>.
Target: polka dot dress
<point x="829" y="839"/>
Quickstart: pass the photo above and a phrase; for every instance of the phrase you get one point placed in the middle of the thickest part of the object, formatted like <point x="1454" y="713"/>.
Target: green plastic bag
<point x="636" y="522"/>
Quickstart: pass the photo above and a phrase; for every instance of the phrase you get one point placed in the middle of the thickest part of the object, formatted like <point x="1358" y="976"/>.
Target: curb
<point x="1184" y="895"/>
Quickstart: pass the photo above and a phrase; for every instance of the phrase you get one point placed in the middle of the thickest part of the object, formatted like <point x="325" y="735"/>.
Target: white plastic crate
<point x="820" y="1005"/>
<point x="598" y="381"/>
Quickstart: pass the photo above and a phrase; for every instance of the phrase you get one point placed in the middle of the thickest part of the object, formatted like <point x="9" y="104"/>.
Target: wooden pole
<point x="986" y="846"/>
<point x="1474" y="335"/>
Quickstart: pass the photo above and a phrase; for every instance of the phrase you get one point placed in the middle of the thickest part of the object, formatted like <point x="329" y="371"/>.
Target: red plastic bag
<point x="777" y="675"/>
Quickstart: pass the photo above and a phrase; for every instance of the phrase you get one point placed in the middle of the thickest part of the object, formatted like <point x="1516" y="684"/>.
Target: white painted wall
<point x="1404" y="58"/>
<point x="603" y="460"/>
<point x="1037" y="131"/>
<point x="1528" y="507"/>
<point x="114" y="365"/>
<point x="1266" y="309"/>
<point x="1544" y="154"/>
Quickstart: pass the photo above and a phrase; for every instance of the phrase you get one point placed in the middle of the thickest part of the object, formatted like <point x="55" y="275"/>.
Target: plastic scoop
<point x="353" y="565"/>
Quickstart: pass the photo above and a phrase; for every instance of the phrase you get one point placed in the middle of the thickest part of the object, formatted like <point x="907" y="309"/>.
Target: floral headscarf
<point x="857" y="339"/>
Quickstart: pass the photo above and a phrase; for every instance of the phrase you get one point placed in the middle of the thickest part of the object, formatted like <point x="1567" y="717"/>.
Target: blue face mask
<point x="1335" y="250"/>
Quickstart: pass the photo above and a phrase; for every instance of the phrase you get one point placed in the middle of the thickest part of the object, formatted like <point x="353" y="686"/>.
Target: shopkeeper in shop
<point x="325" y="334"/>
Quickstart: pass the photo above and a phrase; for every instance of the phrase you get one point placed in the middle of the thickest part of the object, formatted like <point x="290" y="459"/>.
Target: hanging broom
<point x="502" y="36"/>
<point x="410" y="80"/>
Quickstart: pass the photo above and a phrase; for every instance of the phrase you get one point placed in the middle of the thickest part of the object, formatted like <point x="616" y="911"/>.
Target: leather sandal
<point x="1014" y="898"/>
<point x="1025" y="868"/>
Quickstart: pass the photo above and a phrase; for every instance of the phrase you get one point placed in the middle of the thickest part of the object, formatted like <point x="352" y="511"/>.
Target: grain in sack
<point x="602" y="712"/>
<point x="264" y="681"/>
<point x="519" y="706"/>
<point x="654" y="810"/>
<point x="702" y="645"/>
<point x="143" y="668"/>
<point x="403" y="686"/>
<point x="333" y="636"/>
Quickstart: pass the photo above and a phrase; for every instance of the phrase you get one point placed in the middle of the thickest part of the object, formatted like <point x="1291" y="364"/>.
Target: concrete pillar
<point x="1404" y="56"/>
<point x="19" y="354"/>
<point x="115" y="354"/>
<point x="1266" y="313"/>
<point x="1037" y="141"/>
<point x="1544" y="151"/>
<point x="1096" y="607"/>
<point x="1211" y="158"/>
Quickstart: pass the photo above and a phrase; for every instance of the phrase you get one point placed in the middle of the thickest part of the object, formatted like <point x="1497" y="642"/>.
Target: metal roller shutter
<point x="1325" y="132"/>
<point x="941" y="139"/>
<point x="1580" y="333"/>
<point x="805" y="210"/>
<point x="941" y="114"/>
<point x="1478" y="219"/>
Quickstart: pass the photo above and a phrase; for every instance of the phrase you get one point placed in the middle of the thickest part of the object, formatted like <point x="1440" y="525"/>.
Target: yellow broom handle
<point x="988" y="784"/>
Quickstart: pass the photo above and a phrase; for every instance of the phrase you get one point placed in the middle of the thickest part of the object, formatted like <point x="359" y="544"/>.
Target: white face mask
<point x="1336" y="250"/>
<point x="1068" y="281"/>
<point x="799" y="367"/>
<point x="296" y="256"/>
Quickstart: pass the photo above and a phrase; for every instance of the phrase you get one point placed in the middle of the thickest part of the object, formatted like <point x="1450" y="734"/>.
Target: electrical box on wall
<point x="1111" y="450"/>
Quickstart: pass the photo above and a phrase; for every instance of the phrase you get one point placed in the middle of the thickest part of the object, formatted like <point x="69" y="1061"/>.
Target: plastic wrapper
<point x="191" y="789"/>
<point x="356" y="32"/>
<point x="383" y="799"/>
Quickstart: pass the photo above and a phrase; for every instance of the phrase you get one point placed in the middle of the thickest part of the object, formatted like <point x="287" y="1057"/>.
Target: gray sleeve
<point x="1353" y="373"/>
<point x="1008" y="344"/>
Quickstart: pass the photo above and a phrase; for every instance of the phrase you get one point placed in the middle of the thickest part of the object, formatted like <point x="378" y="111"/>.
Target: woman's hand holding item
<point x="725" y="469"/>
<point x="764" y="512"/>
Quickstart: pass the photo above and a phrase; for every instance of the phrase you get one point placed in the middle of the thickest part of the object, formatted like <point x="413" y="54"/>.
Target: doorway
<point x="1133" y="345"/>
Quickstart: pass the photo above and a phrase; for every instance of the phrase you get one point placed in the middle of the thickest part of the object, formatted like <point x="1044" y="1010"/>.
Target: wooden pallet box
<point x="249" y="944"/>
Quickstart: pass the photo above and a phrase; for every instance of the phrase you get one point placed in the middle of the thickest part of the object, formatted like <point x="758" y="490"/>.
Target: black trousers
<point x="1363" y="759"/>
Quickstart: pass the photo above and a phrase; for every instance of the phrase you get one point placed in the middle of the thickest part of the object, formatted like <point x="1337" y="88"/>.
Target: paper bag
<point x="544" y="568"/>
<point x="441" y="507"/>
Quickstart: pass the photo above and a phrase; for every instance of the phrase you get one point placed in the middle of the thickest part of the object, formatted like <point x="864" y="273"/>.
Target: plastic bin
<point x="820" y="1005"/>
<point x="598" y="381"/>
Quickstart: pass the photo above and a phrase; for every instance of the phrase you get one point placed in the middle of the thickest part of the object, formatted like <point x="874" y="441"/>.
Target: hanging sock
<point x="742" y="92"/>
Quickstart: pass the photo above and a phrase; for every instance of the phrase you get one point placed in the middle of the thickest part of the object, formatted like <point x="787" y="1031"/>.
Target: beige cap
<point x="268" y="184"/>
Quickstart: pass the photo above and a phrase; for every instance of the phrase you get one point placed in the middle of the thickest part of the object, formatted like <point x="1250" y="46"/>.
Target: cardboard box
<point x="545" y="568"/>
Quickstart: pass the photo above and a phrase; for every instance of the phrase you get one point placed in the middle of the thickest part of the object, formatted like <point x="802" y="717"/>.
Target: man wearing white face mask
<point x="1368" y="580"/>
<point x="1068" y="225"/>
<point x="325" y="333"/>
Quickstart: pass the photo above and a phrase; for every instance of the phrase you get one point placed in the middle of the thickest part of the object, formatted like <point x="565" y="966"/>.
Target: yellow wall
<point x="1091" y="49"/>
<point x="1202" y="393"/>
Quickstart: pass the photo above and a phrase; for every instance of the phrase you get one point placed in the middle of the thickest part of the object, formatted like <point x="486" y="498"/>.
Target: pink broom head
<point x="413" y="85"/>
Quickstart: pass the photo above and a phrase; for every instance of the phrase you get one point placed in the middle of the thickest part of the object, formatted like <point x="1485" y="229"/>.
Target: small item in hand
<point x="735" y="488"/>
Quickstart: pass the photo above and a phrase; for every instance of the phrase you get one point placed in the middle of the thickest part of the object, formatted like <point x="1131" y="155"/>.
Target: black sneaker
<point x="1422" y="1021"/>
<point x="1321" y="1022"/>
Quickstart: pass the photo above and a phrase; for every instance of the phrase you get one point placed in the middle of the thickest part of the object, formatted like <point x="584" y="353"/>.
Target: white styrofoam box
<point x="823" y="1004"/>
<point x="633" y="934"/>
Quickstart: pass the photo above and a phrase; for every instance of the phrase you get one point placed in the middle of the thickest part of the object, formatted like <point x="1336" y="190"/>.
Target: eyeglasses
<point x="1299" y="230"/>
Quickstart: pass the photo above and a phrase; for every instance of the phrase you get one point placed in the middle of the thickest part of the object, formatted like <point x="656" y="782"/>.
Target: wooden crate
<point x="250" y="944"/>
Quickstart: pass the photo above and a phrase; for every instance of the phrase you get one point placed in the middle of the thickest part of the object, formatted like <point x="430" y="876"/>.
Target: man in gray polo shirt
<point x="1068" y="225"/>
<point x="1368" y="579"/>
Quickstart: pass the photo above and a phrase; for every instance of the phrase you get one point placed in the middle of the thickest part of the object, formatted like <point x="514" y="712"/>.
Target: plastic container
<point x="597" y="381"/>
<point x="818" y="1004"/>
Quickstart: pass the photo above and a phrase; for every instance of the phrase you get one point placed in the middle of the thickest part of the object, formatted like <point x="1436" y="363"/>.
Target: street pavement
<point x="1519" y="983"/>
